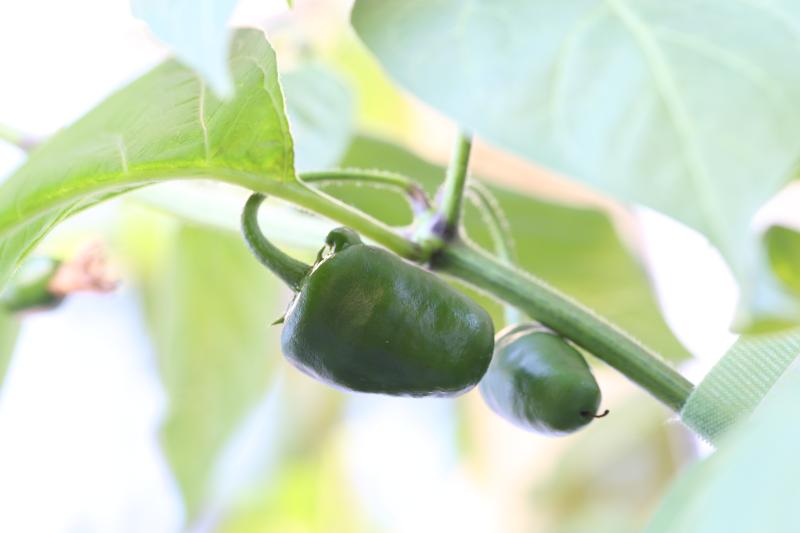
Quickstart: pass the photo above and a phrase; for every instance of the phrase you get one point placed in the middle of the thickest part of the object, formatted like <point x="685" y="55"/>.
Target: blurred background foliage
<point x="256" y="446"/>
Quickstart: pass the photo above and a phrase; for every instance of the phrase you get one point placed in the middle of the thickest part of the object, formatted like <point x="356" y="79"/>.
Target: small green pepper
<point x="539" y="382"/>
<point x="366" y="320"/>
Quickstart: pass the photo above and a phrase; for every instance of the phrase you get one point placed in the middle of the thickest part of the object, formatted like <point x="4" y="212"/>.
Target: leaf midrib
<point x="124" y="180"/>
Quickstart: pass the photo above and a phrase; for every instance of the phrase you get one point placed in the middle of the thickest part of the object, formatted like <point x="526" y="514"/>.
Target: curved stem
<point x="452" y="192"/>
<point x="290" y="270"/>
<point x="567" y="317"/>
<point x="415" y="194"/>
<point x="493" y="216"/>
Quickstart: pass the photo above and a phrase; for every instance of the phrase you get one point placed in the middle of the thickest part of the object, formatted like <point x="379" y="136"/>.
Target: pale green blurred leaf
<point x="783" y="247"/>
<point x="197" y="31"/>
<point x="310" y="494"/>
<point x="750" y="483"/>
<point x="610" y="476"/>
<point x="9" y="327"/>
<point x="209" y="308"/>
<point x="321" y="112"/>
<point x="576" y="250"/>
<point x="686" y="107"/>
<point x="165" y="125"/>
<point x="381" y="106"/>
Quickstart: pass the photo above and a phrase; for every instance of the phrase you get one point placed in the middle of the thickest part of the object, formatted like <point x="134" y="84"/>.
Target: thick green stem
<point x="452" y="193"/>
<point x="568" y="318"/>
<point x="290" y="270"/>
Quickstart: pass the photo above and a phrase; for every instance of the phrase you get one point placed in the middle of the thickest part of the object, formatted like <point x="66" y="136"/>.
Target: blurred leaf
<point x="381" y="107"/>
<point x="9" y="327"/>
<point x="750" y="483"/>
<point x="611" y="475"/>
<point x="783" y="247"/>
<point x="321" y="113"/>
<point x="686" y="107"/>
<point x="165" y="125"/>
<point x="197" y="31"/>
<point x="574" y="249"/>
<point x="209" y="310"/>
<point x="309" y="495"/>
<point x="208" y="204"/>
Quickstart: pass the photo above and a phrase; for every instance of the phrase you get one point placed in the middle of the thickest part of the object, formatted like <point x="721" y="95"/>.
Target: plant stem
<point x="473" y="266"/>
<point x="535" y="297"/>
<point x="290" y="270"/>
<point x="414" y="192"/>
<point x="493" y="216"/>
<point x="19" y="139"/>
<point x="452" y="192"/>
<point x="567" y="317"/>
<point x="330" y="207"/>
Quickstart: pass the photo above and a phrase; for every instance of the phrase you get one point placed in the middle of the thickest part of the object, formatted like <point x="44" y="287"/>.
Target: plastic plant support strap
<point x="739" y="381"/>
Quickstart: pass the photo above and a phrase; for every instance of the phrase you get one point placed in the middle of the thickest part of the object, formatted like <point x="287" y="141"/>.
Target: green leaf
<point x="574" y="249"/>
<point x="783" y="247"/>
<point x="165" y="125"/>
<point x="686" y="107"/>
<point x="610" y="477"/>
<point x="750" y="483"/>
<point x="9" y="327"/>
<point x="322" y="114"/>
<point x="197" y="31"/>
<point x="209" y="305"/>
<point x="313" y="494"/>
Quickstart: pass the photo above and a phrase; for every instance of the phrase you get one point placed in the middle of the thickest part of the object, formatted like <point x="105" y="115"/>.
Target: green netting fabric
<point x="739" y="381"/>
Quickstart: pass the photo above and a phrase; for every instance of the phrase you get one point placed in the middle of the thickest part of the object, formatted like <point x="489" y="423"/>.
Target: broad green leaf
<point x="321" y="112"/>
<point x="686" y="107"/>
<point x="576" y="250"/>
<point x="750" y="483"/>
<point x="209" y="307"/>
<point x="197" y="31"/>
<point x="165" y="125"/>
<point x="8" y="338"/>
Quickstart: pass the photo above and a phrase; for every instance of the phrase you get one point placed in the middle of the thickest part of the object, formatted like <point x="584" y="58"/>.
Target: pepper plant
<point x="622" y="96"/>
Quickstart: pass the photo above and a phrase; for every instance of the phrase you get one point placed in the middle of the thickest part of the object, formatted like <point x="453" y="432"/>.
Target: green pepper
<point x="539" y="382"/>
<point x="366" y="320"/>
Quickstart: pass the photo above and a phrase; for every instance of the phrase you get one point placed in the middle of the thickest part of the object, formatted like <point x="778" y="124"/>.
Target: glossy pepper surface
<point x="366" y="320"/>
<point x="539" y="382"/>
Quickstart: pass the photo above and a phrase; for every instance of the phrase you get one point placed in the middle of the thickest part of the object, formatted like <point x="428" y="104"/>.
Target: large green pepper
<point x="366" y="320"/>
<point x="539" y="382"/>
